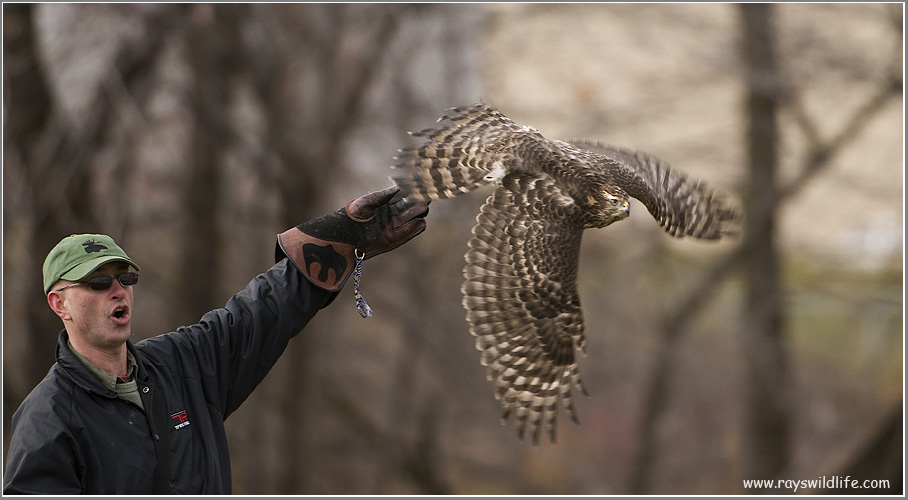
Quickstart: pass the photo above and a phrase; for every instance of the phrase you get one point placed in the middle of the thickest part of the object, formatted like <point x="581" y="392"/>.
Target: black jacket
<point x="74" y="435"/>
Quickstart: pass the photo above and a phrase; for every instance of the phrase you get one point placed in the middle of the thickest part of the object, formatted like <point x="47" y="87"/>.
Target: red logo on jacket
<point x="179" y="419"/>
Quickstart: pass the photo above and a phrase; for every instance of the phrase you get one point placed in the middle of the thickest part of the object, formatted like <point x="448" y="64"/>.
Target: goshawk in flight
<point x="520" y="278"/>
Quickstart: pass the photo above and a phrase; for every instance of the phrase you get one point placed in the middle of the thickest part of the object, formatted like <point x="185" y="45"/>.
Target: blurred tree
<point x="768" y="384"/>
<point x="767" y="387"/>
<point x="24" y="142"/>
<point x="210" y="36"/>
<point x="54" y="156"/>
<point x="343" y="47"/>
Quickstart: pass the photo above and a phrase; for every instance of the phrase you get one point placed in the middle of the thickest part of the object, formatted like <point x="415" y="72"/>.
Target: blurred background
<point x="194" y="133"/>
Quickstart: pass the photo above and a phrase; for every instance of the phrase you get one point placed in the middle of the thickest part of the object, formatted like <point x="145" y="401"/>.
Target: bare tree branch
<point x="820" y="152"/>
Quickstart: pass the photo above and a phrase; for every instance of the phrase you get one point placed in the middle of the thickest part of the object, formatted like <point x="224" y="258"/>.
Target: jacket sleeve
<point x="232" y="348"/>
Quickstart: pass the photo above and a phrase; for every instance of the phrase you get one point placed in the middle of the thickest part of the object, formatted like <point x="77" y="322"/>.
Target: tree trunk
<point x="766" y="377"/>
<point x="209" y="44"/>
<point x="54" y="165"/>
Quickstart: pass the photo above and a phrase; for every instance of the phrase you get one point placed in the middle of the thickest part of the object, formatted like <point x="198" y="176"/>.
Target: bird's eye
<point x="615" y="201"/>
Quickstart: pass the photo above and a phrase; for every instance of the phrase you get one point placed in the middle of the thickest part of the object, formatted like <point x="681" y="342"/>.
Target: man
<point x="113" y="417"/>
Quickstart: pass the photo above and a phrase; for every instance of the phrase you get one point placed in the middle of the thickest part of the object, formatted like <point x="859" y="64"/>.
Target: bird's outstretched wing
<point x="476" y="147"/>
<point x="681" y="206"/>
<point x="521" y="299"/>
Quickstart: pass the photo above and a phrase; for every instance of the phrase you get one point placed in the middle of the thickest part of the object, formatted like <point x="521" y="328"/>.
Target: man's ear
<point x="57" y="303"/>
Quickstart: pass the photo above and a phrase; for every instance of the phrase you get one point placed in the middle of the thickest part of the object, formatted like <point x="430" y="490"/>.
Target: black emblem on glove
<point x="325" y="256"/>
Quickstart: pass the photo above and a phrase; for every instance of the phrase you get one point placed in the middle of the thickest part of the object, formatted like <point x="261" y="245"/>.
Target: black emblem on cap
<point x="92" y="246"/>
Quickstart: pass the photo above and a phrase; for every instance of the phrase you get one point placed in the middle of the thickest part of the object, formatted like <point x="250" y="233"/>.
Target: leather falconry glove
<point x="325" y="249"/>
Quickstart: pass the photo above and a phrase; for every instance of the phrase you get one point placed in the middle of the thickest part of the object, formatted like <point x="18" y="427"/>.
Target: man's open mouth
<point x="121" y="313"/>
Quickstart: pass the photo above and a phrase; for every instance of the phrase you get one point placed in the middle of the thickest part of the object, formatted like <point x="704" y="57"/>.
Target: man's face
<point x="98" y="317"/>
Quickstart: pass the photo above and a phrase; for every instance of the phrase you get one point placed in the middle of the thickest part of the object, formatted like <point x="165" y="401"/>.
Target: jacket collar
<point x="80" y="374"/>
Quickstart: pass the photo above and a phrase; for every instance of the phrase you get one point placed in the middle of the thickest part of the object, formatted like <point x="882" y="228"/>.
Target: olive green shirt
<point x="125" y="389"/>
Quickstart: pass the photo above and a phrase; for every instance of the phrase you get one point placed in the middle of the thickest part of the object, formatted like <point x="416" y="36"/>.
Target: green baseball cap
<point x="78" y="255"/>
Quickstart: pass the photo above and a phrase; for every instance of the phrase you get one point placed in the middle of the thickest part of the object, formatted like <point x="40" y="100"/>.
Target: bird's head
<point x="607" y="205"/>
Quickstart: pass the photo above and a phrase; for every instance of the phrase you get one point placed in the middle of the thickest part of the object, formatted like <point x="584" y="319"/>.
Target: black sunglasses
<point x="104" y="282"/>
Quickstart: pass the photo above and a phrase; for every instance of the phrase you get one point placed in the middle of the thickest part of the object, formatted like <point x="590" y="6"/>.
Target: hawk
<point x="520" y="277"/>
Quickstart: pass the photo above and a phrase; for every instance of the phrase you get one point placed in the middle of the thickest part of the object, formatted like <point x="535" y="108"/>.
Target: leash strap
<point x="364" y="310"/>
